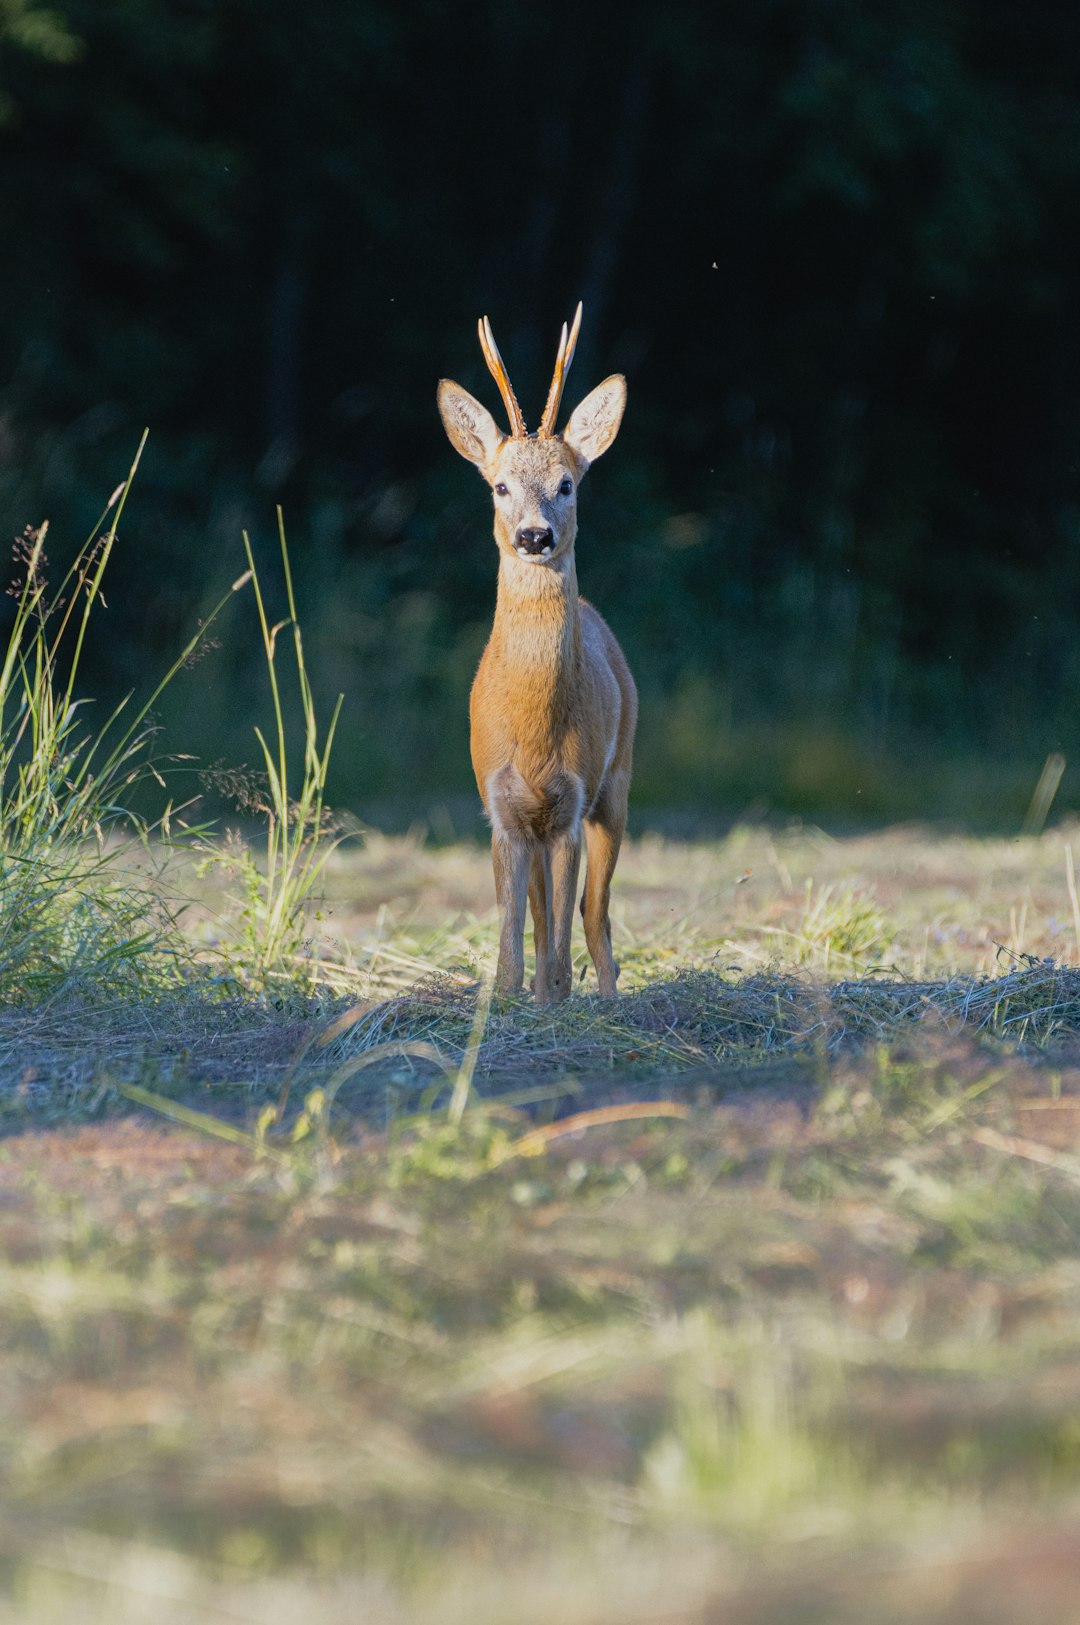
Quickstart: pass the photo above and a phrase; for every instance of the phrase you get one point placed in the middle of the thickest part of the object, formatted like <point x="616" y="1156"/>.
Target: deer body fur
<point x="553" y="706"/>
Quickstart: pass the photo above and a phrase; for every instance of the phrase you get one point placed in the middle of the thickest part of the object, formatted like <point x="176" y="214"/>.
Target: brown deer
<point x="553" y="705"/>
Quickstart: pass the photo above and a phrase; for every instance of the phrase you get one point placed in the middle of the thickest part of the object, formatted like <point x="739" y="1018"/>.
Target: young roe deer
<point x="553" y="705"/>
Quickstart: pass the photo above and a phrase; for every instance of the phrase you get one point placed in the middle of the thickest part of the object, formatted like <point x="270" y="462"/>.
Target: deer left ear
<point x="594" y="424"/>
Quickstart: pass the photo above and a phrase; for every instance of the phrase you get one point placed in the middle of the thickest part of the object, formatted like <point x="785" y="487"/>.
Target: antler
<point x="501" y="377"/>
<point x="567" y="347"/>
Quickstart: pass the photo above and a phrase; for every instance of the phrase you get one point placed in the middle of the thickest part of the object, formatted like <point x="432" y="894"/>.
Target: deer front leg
<point x="540" y="904"/>
<point x="510" y="861"/>
<point x="565" y="862"/>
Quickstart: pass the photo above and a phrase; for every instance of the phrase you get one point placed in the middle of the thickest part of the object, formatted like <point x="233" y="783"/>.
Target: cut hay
<point x="401" y="1053"/>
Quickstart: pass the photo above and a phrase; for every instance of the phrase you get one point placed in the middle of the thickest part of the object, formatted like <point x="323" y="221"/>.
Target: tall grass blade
<point x="296" y="844"/>
<point x="463" y="1082"/>
<point x="1043" y="796"/>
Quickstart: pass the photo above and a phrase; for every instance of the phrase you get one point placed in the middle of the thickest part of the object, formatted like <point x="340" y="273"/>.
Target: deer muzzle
<point x="532" y="543"/>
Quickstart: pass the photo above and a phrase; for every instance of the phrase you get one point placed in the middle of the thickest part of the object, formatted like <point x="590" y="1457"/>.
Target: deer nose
<point x="533" y="541"/>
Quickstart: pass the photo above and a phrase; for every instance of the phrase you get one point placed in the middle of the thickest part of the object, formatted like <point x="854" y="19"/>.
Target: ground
<point x="751" y="1296"/>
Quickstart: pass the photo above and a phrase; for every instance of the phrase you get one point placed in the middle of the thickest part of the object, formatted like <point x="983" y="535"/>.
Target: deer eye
<point x="502" y="490"/>
<point x="566" y="488"/>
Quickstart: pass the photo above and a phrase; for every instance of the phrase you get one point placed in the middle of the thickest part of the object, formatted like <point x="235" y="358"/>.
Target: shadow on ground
<point x="693" y="1035"/>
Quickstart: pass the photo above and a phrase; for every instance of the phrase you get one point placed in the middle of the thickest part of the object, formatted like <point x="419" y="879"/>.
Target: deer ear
<point x="471" y="427"/>
<point x="594" y="424"/>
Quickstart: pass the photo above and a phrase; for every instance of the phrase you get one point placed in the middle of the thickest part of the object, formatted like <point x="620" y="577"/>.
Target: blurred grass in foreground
<point x="662" y="1366"/>
<point x="812" y="1342"/>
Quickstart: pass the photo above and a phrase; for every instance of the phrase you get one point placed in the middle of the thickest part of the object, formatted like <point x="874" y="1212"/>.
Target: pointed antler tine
<point x="567" y="346"/>
<point x="499" y="373"/>
<point x="575" y="328"/>
<point x="551" y="405"/>
<point x="490" y="349"/>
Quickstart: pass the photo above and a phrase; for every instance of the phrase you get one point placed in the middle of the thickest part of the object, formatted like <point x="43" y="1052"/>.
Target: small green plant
<point x="268" y="950"/>
<point x="843" y="925"/>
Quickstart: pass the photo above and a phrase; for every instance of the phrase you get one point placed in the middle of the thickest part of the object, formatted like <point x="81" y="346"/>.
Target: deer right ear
<point x="470" y="426"/>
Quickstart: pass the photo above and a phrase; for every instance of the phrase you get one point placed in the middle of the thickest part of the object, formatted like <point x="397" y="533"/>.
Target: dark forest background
<point x="833" y="244"/>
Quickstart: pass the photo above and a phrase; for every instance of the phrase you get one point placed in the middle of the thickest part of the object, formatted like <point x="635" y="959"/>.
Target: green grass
<point x="268" y="949"/>
<point x="78" y="909"/>
<point x="75" y="909"/>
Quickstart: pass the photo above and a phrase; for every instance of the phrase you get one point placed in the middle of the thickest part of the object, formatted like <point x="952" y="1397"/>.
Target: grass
<point x="751" y="1294"/>
<point x="332" y="1283"/>
<point x="299" y="836"/>
<point x="75" y="909"/>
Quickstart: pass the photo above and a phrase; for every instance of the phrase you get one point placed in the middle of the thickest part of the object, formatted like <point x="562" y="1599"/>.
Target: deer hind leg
<point x="540" y="903"/>
<point x="510" y="861"/>
<point x="603" y="837"/>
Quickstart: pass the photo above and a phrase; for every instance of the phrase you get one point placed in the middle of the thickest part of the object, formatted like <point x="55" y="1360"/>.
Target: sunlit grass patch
<point x="840" y="930"/>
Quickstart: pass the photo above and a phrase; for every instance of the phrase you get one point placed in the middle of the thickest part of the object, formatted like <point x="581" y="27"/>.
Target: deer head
<point x="534" y="478"/>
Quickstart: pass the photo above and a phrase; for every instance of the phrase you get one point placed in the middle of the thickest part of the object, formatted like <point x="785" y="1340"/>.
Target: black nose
<point x="534" y="541"/>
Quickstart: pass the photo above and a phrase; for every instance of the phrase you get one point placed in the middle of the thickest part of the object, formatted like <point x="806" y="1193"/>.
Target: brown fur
<point x="553" y="706"/>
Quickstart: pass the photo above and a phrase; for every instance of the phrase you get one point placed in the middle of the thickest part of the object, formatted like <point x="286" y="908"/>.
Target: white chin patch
<point x="534" y="558"/>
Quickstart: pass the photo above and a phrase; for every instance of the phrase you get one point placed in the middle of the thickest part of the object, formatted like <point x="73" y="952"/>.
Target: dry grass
<point x="802" y="1348"/>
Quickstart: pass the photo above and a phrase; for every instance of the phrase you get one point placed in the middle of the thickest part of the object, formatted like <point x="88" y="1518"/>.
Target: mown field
<point x="752" y="1295"/>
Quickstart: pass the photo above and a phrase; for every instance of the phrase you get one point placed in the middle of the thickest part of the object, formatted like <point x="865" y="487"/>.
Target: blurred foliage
<point x="831" y="243"/>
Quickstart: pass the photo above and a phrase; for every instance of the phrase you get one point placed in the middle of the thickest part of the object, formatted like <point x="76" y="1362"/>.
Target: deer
<point x="553" y="707"/>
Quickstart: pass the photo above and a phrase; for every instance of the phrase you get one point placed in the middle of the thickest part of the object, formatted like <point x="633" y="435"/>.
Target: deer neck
<point x="537" y="634"/>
